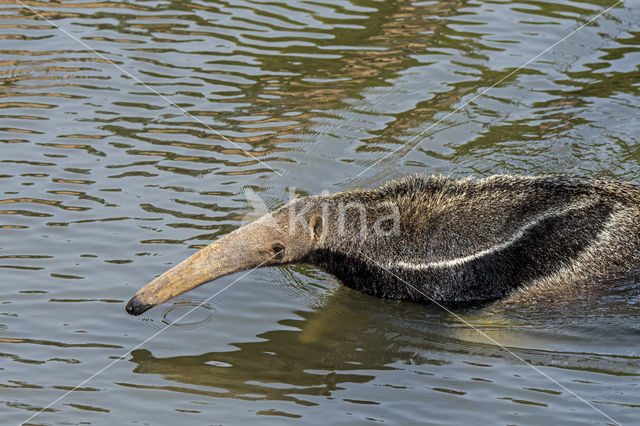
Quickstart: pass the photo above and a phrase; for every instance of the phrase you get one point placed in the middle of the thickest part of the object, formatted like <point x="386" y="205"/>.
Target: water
<point x="105" y="185"/>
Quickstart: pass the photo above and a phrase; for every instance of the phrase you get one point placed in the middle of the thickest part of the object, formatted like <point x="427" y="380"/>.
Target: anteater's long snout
<point x="232" y="253"/>
<point x="203" y="266"/>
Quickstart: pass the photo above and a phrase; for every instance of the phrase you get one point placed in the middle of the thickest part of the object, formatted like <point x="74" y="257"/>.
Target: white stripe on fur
<point x="498" y="247"/>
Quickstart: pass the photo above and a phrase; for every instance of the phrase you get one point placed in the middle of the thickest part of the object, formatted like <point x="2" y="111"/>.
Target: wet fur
<point x="468" y="240"/>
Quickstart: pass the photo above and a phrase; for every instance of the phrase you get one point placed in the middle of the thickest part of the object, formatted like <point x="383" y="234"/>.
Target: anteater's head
<point x="284" y="236"/>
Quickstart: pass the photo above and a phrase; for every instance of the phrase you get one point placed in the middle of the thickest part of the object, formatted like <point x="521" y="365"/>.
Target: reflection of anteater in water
<point x="435" y="238"/>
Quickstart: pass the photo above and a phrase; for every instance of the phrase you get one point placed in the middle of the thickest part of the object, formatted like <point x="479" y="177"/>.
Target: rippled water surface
<point x="131" y="135"/>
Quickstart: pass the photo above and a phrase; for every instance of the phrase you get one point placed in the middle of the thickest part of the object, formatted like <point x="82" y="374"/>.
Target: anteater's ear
<point x="315" y="227"/>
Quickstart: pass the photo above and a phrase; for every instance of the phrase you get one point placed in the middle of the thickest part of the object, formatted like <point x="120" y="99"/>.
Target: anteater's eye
<point x="278" y="250"/>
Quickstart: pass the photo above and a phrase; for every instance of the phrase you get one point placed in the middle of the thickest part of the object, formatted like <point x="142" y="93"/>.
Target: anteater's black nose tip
<point x="135" y="307"/>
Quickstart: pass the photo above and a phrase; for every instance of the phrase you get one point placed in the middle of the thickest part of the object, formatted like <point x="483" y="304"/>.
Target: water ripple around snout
<point x="185" y="315"/>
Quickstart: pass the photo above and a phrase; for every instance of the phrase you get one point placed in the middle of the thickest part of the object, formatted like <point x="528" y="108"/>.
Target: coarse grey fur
<point x="437" y="239"/>
<point x="468" y="240"/>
